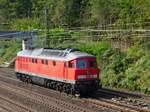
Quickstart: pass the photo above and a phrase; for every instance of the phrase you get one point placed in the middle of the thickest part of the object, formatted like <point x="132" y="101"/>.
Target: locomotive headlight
<point x="95" y="75"/>
<point x="81" y="76"/>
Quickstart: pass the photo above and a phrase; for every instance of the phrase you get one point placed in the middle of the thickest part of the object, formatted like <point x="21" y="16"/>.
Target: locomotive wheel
<point x="57" y="87"/>
<point x="61" y="89"/>
<point x="29" y="80"/>
<point x="26" y="80"/>
<point x="72" y="91"/>
<point x="54" y="86"/>
<point x="23" y="79"/>
<point x="48" y="84"/>
<point x="64" y="88"/>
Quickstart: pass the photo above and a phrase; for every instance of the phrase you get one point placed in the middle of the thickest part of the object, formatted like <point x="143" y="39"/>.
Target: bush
<point x="139" y="75"/>
<point x="130" y="70"/>
<point x="27" y="24"/>
<point x="9" y="50"/>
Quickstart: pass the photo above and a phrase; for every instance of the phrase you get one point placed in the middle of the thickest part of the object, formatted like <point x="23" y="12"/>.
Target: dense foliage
<point x="29" y="14"/>
<point x="128" y="70"/>
<point x="8" y="50"/>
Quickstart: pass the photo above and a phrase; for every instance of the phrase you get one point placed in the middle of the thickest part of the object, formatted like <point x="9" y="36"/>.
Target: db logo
<point x="88" y="72"/>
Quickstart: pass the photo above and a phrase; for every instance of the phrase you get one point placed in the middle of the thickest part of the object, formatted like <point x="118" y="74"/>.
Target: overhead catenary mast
<point x="46" y="26"/>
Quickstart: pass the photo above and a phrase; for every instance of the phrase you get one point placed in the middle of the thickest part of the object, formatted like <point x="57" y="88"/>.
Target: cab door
<point x="69" y="70"/>
<point x="65" y="70"/>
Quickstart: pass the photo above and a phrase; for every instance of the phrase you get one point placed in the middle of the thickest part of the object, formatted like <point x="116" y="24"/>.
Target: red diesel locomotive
<point x="68" y="70"/>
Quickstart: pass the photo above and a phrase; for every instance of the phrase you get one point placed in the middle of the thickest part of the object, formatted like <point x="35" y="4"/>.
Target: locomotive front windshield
<point x="92" y="64"/>
<point x="81" y="64"/>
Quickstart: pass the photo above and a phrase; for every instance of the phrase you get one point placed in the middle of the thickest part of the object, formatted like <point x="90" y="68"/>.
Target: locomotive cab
<point x="86" y="74"/>
<point x="87" y="69"/>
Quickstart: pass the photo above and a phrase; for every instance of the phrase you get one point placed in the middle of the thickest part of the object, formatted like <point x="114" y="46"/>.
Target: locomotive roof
<point x="64" y="55"/>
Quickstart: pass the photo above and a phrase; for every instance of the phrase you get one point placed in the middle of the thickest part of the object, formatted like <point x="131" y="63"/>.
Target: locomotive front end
<point x="87" y="75"/>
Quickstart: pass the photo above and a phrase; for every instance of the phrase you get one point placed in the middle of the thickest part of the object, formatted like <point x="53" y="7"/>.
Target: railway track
<point x="33" y="102"/>
<point x="48" y="102"/>
<point x="14" y="84"/>
<point x="116" y="105"/>
<point x="13" y="106"/>
<point x="117" y="95"/>
<point x="125" y="94"/>
<point x="94" y="103"/>
<point x="4" y="109"/>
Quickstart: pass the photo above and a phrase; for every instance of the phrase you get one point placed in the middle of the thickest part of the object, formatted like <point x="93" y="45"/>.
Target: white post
<point x="23" y="45"/>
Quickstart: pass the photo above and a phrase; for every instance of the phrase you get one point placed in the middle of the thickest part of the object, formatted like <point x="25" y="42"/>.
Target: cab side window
<point x="42" y="61"/>
<point x="71" y="65"/>
<point x="65" y="64"/>
<point x="54" y="63"/>
<point x="46" y="62"/>
<point x="32" y="60"/>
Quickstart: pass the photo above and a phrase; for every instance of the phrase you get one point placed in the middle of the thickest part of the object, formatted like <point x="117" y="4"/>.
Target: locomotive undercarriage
<point x="87" y="87"/>
<point x="79" y="88"/>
